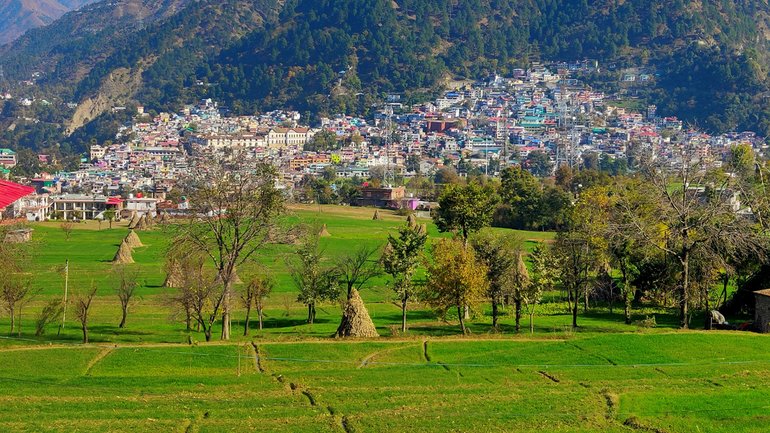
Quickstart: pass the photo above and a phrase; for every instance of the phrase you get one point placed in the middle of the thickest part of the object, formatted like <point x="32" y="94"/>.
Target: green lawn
<point x="605" y="377"/>
<point x="675" y="382"/>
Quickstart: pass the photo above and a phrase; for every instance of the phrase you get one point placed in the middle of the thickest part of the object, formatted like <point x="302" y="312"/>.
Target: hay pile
<point x="411" y="220"/>
<point x="123" y="255"/>
<point x="132" y="239"/>
<point x="141" y="224"/>
<point x="234" y="280"/>
<point x="174" y="274"/>
<point x="134" y="221"/>
<point x="355" y="319"/>
<point x="376" y="216"/>
<point x="324" y="233"/>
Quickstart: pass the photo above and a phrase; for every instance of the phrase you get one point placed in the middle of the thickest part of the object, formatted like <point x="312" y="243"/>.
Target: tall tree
<point x="456" y="279"/>
<point x="400" y="259"/>
<point x="236" y="205"/>
<point x="465" y="209"/>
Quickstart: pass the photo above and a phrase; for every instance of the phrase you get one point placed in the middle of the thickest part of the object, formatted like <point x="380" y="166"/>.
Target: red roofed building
<point x="10" y="198"/>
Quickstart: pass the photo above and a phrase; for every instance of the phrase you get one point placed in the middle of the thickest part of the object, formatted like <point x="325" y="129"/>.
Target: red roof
<point x="114" y="200"/>
<point x="11" y="192"/>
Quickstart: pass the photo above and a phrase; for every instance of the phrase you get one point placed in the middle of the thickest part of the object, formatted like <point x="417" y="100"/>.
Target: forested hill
<point x="339" y="55"/>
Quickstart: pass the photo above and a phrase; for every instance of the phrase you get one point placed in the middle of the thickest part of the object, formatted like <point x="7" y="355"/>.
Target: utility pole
<point x="66" y="290"/>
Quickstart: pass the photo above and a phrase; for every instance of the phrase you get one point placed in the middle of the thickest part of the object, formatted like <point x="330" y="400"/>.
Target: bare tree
<point x="126" y="289"/>
<point x="66" y="227"/>
<point x="236" y="204"/>
<point x="83" y="304"/>
<point x="253" y="295"/>
<point x="15" y="292"/>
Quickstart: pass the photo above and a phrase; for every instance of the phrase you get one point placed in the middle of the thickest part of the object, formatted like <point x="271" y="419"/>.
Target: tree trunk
<point x="461" y="316"/>
<point x="85" y="333"/>
<point x="575" y="309"/>
<point x="188" y="319"/>
<point x="517" y="306"/>
<point x="226" y="310"/>
<point x="626" y="298"/>
<point x="310" y="313"/>
<point x="466" y="312"/>
<point x="13" y="319"/>
<point x="532" y="321"/>
<point x="259" y="314"/>
<point x="246" y="322"/>
<point x="207" y="332"/>
<point x="123" y="318"/>
<point x="684" y="295"/>
<point x="495" y="313"/>
<point x="585" y="302"/>
<point x="403" y="313"/>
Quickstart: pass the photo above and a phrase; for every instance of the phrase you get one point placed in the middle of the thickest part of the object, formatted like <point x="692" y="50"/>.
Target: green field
<point x="605" y="377"/>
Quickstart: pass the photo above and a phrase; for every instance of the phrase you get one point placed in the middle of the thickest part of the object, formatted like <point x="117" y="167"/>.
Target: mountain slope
<point x="340" y="55"/>
<point x="18" y="16"/>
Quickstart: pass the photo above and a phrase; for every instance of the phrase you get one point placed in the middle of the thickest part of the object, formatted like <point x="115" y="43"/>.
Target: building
<point x="762" y="310"/>
<point x="382" y="197"/>
<point x="11" y="195"/>
<point x="80" y="206"/>
<point x="7" y="158"/>
<point x="283" y="137"/>
<point x="141" y="205"/>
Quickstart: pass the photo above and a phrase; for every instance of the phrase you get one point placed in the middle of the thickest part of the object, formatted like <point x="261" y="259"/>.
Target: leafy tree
<point x="400" y="259"/>
<point x="465" y="209"/>
<point x="499" y="253"/>
<point x="315" y="281"/>
<point x="456" y="279"/>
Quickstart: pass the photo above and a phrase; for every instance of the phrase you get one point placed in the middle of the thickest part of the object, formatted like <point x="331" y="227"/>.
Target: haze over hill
<point x="18" y="16"/>
<point x="327" y="56"/>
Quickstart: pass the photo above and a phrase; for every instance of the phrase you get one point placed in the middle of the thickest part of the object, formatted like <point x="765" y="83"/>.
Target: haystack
<point x="149" y="219"/>
<point x="123" y="255"/>
<point x="141" y="224"/>
<point x="174" y="274"/>
<point x="324" y="233"/>
<point x="423" y="229"/>
<point x="411" y="220"/>
<point x="132" y="239"/>
<point x="355" y="319"/>
<point x="376" y="216"/>
<point x="134" y="221"/>
<point x="234" y="280"/>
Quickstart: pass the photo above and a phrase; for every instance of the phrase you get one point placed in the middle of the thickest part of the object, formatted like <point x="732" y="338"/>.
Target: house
<point x="7" y="158"/>
<point x="762" y="310"/>
<point x="81" y="206"/>
<point x="11" y="195"/>
<point x="141" y="205"/>
<point x="381" y="197"/>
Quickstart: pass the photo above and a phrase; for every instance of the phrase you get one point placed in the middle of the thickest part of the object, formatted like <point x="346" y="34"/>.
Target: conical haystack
<point x="411" y="220"/>
<point x="423" y="229"/>
<point x="324" y="233"/>
<point x="355" y="319"/>
<point x="134" y="221"/>
<point x="149" y="219"/>
<point x="174" y="274"/>
<point x="140" y="224"/>
<point x="123" y="255"/>
<point x="376" y="216"/>
<point x="132" y="239"/>
<point x="234" y="280"/>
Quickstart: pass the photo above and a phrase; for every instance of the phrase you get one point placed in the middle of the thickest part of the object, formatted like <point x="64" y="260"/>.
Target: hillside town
<point x="539" y="119"/>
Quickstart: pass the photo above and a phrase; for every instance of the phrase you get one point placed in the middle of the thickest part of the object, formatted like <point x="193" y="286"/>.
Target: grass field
<point x="605" y="377"/>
